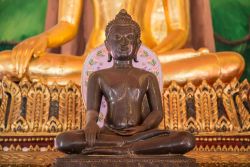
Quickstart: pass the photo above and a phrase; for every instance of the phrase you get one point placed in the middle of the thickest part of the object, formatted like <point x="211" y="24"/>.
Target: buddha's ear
<point x="108" y="49"/>
<point x="139" y="43"/>
<point x="106" y="44"/>
<point x="135" y="59"/>
<point x="109" y="57"/>
<point x="136" y="51"/>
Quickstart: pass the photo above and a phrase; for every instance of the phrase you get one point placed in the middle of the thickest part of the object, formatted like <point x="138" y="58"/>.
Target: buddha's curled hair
<point x="123" y="18"/>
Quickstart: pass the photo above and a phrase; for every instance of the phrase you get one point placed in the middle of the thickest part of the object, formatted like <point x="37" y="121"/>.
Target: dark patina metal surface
<point x="127" y="130"/>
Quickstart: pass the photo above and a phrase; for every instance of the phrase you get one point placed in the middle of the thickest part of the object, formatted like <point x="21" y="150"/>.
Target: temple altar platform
<point x="125" y="161"/>
<point x="44" y="159"/>
<point x="218" y="115"/>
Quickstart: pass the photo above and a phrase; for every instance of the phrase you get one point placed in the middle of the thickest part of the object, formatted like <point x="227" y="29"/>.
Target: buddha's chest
<point x="124" y="87"/>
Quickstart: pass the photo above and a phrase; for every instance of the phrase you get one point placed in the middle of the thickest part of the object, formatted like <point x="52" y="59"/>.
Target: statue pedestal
<point x="125" y="161"/>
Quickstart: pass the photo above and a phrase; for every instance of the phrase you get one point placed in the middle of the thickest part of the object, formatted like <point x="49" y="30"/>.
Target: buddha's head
<point x="122" y="37"/>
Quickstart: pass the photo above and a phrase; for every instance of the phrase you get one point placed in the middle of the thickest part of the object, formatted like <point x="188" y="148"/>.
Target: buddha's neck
<point x="122" y="64"/>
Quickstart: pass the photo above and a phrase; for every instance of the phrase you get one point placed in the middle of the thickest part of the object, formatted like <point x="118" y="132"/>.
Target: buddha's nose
<point x="124" y="41"/>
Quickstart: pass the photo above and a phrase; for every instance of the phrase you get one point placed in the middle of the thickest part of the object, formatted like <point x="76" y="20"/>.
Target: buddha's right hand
<point x="23" y="52"/>
<point x="92" y="130"/>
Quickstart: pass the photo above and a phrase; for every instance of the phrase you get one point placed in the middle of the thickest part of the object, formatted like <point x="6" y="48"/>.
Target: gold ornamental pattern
<point x="36" y="107"/>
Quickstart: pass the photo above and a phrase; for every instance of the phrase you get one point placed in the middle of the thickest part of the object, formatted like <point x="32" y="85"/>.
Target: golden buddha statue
<point x="165" y="29"/>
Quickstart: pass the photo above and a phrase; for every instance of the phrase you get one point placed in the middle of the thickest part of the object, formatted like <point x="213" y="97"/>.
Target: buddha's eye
<point x="130" y="36"/>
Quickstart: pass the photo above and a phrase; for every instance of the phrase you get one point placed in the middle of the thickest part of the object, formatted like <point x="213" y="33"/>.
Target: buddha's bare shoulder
<point x="99" y="74"/>
<point x="144" y="73"/>
<point x="134" y="71"/>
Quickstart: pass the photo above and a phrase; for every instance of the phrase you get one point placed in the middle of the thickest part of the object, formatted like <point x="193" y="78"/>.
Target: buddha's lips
<point x="125" y="51"/>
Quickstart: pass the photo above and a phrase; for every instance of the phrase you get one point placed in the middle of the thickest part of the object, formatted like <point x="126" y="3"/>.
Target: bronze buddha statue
<point x="127" y="130"/>
<point x="166" y="36"/>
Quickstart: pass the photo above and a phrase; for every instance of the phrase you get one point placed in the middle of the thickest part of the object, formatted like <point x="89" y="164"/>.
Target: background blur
<point x="231" y="22"/>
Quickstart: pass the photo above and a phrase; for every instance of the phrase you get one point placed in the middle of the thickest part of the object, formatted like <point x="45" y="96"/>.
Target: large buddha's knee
<point x="187" y="141"/>
<point x="6" y="65"/>
<point x="232" y="65"/>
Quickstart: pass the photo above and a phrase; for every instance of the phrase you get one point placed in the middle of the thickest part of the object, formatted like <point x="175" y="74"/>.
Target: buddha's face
<point x="122" y="42"/>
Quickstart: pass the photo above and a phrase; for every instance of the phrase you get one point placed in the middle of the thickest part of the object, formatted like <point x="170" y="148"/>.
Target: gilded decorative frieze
<point x="70" y="107"/>
<point x="244" y="105"/>
<point x="3" y="103"/>
<point x="11" y="103"/>
<point x="206" y="107"/>
<point x="191" y="124"/>
<point x="38" y="107"/>
<point x="53" y="124"/>
<point x="35" y="107"/>
<point x="223" y="124"/>
<point x="20" y="124"/>
<point x="175" y="107"/>
<point x="230" y="93"/>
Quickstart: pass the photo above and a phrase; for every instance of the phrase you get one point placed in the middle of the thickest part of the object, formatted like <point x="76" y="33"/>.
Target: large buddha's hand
<point x="23" y="52"/>
<point x="92" y="130"/>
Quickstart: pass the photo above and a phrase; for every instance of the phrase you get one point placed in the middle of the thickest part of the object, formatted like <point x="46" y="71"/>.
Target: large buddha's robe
<point x="201" y="33"/>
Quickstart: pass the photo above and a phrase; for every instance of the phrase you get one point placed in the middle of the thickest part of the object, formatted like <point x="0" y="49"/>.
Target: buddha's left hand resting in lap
<point x="127" y="128"/>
